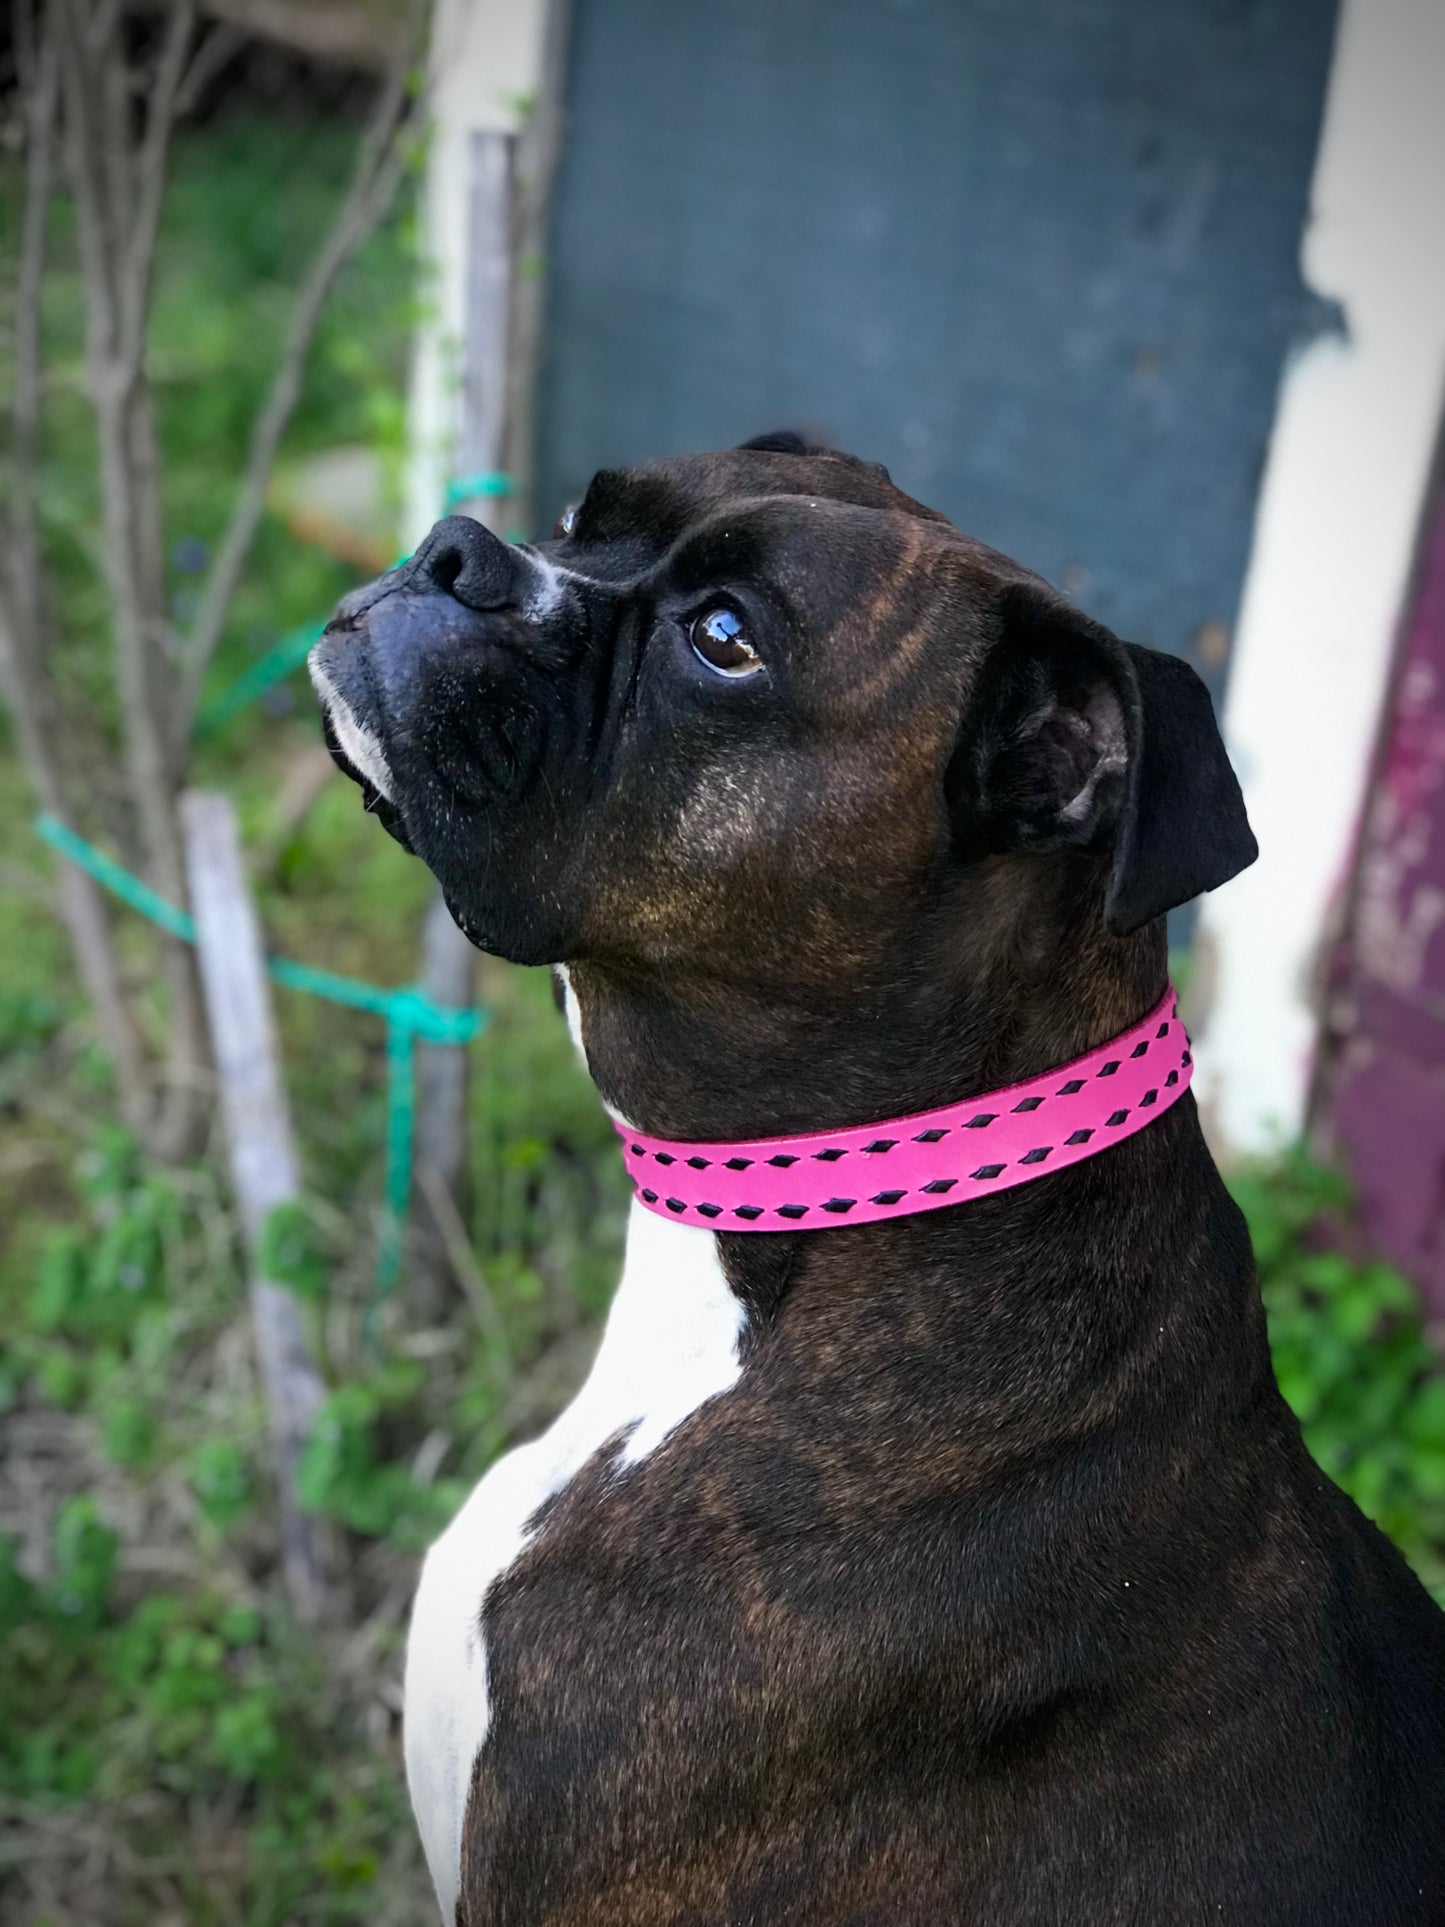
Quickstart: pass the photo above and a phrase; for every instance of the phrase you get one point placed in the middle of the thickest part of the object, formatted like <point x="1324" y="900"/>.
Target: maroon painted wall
<point x="1381" y="1085"/>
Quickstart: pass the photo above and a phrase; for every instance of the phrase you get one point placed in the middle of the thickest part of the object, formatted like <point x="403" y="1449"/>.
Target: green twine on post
<point x="410" y="1016"/>
<point x="466" y="488"/>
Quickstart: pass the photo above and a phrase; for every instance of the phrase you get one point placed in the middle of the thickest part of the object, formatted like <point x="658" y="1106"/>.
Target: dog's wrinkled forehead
<point x="629" y="517"/>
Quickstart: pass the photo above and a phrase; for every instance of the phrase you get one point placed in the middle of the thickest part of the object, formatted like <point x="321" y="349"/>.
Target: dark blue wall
<point x="1038" y="256"/>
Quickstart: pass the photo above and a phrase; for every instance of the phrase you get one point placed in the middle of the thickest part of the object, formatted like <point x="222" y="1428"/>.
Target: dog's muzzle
<point x="393" y="641"/>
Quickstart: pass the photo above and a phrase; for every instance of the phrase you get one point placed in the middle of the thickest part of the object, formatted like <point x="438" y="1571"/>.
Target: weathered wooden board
<point x="262" y="1162"/>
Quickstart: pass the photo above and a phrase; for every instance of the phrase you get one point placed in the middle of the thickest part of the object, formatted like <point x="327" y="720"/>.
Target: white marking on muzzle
<point x="358" y="744"/>
<point x="548" y="587"/>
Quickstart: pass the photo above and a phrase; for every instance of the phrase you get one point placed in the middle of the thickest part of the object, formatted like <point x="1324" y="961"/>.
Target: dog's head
<point x="745" y="711"/>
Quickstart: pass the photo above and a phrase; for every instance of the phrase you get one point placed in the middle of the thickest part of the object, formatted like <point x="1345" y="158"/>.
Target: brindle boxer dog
<point x="961" y="1568"/>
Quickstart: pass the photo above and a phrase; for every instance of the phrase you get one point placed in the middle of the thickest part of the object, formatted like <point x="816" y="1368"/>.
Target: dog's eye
<point x="717" y="637"/>
<point x="566" y="522"/>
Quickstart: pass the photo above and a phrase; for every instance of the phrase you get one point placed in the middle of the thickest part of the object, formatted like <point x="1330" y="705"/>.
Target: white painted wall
<point x="485" y="67"/>
<point x="1334" y="535"/>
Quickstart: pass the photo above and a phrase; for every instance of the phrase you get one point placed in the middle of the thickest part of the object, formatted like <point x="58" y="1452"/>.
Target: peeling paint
<point x="1382" y="1084"/>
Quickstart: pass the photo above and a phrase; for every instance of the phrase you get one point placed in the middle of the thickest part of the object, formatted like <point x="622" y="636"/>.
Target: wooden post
<point x="483" y="439"/>
<point x="263" y="1165"/>
<point x="448" y="961"/>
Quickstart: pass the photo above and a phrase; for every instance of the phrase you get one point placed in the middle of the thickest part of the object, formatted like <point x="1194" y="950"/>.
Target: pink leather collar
<point x="934" y="1158"/>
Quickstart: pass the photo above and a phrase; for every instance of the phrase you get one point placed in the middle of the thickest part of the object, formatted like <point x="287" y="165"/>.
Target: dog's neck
<point x="994" y="1282"/>
<point x="976" y="992"/>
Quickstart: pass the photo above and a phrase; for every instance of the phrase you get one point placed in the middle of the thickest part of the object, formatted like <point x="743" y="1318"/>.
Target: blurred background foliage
<point x="172" y="1747"/>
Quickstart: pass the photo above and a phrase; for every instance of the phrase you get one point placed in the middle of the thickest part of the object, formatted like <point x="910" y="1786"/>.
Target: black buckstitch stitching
<point x="1139" y="1050"/>
<point x="830" y="1156"/>
<point x="1163" y="1031"/>
<point x="938" y="1185"/>
<point x="783" y="1160"/>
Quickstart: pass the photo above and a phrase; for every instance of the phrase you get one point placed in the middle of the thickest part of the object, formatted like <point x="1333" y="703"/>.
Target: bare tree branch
<point x="380" y="162"/>
<point x="24" y="39"/>
<point x="23" y="533"/>
<point x="102" y="166"/>
<point x="150" y="180"/>
<point x="350" y="33"/>
<point x="129" y="467"/>
<point x="23" y="679"/>
<point x="218" y="47"/>
<point x="102" y="23"/>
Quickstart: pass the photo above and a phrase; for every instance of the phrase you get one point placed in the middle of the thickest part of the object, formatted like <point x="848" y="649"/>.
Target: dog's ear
<point x="1077" y="739"/>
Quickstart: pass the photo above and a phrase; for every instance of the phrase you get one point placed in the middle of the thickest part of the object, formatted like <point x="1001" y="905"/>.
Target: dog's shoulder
<point x="670" y="1344"/>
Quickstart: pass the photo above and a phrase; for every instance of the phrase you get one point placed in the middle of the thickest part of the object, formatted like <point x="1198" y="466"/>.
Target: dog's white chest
<point x="671" y="1342"/>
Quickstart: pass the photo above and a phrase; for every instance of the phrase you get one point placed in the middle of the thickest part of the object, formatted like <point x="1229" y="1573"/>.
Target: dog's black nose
<point x="470" y="564"/>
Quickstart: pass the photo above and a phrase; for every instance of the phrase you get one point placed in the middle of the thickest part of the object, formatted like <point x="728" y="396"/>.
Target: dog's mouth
<point x="357" y="751"/>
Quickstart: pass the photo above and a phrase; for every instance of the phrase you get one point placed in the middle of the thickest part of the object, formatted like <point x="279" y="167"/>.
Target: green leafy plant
<point x="292" y="1252"/>
<point x="1351" y="1356"/>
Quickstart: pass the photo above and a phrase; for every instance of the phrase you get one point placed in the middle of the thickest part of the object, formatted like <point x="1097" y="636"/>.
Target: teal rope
<point x="466" y="488"/>
<point x="409" y="1013"/>
<point x="130" y="889"/>
<point x="275" y="666"/>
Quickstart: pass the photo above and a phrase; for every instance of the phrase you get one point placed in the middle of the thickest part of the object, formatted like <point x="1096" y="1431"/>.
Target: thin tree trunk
<point x="23" y="678"/>
<point x="117" y="183"/>
<point x="79" y="900"/>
